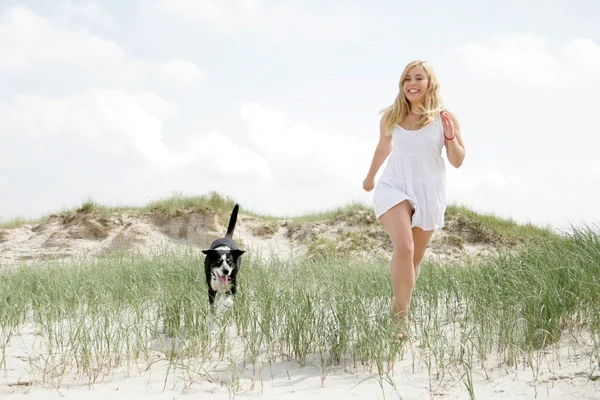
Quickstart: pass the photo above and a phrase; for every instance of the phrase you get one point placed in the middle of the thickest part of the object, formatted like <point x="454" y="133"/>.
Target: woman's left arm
<point x="455" y="147"/>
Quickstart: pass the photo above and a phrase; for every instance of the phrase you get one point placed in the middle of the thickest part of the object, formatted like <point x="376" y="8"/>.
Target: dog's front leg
<point x="211" y="298"/>
<point x="228" y="302"/>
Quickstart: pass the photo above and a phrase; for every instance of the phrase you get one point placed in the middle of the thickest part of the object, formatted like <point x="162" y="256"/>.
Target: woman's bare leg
<point x="397" y="224"/>
<point x="421" y="240"/>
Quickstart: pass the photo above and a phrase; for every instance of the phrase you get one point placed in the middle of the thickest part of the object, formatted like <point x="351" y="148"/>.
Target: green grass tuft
<point x="489" y="228"/>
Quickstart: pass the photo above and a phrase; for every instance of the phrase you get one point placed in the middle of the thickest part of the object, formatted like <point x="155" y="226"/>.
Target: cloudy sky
<point x="275" y="103"/>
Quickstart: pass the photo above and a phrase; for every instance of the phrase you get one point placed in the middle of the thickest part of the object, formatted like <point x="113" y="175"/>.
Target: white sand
<point x="560" y="373"/>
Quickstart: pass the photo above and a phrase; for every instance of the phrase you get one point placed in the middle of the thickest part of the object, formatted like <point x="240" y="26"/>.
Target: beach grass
<point x="129" y="311"/>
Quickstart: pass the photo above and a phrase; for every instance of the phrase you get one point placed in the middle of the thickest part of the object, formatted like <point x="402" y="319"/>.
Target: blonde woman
<point x="410" y="197"/>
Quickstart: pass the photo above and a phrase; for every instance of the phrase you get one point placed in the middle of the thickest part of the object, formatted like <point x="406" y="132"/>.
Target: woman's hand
<point x="368" y="184"/>
<point x="455" y="147"/>
<point x="449" y="127"/>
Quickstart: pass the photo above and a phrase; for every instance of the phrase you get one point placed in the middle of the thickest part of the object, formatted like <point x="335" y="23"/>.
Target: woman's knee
<point x="404" y="244"/>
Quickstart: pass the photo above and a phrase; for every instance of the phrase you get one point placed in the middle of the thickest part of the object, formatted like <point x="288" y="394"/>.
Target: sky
<point x="276" y="103"/>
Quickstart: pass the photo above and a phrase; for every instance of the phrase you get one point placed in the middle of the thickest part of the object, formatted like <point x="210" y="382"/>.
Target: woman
<point x="410" y="198"/>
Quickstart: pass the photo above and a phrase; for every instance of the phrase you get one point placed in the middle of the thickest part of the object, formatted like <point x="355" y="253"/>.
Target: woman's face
<point x="415" y="85"/>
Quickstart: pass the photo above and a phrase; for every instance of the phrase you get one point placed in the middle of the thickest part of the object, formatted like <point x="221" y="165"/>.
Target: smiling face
<point x="418" y="97"/>
<point x="415" y="83"/>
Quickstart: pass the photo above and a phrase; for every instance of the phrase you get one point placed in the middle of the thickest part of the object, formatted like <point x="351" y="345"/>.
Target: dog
<point x="222" y="264"/>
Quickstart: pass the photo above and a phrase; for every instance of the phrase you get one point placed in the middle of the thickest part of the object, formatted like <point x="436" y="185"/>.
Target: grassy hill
<point x="350" y="230"/>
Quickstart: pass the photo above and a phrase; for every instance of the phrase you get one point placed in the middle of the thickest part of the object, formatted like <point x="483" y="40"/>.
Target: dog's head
<point x="223" y="263"/>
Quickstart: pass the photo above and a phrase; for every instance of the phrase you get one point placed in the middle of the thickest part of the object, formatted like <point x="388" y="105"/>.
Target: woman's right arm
<point x="382" y="151"/>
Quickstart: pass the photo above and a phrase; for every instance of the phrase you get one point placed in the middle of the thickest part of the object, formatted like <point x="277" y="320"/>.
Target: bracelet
<point x="447" y="138"/>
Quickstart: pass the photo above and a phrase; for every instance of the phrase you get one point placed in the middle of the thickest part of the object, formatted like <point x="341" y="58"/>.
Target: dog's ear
<point x="237" y="253"/>
<point x="209" y="251"/>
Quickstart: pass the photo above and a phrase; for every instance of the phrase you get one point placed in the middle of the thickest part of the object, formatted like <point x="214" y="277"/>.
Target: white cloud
<point x="119" y="123"/>
<point x="218" y="152"/>
<point x="278" y="21"/>
<point x="156" y="105"/>
<point x="76" y="12"/>
<point x="27" y="39"/>
<point x="181" y="71"/>
<point x="528" y="59"/>
<point x="113" y="120"/>
<point x="193" y="10"/>
<point x="583" y="54"/>
<point x="487" y="179"/>
<point x="301" y="155"/>
<point x="595" y="167"/>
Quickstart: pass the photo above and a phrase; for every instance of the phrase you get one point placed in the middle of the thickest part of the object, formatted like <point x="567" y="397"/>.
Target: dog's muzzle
<point x="223" y="278"/>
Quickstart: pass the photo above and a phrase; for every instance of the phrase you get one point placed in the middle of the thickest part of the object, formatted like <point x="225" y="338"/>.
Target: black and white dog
<point x="222" y="264"/>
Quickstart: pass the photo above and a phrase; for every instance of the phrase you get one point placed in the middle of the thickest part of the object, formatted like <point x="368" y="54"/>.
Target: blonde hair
<point x="431" y="107"/>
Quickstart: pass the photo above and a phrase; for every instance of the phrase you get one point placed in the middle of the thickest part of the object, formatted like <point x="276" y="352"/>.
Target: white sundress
<point x="416" y="172"/>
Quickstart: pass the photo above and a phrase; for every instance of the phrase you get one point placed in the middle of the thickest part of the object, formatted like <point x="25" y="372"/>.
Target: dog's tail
<point x="232" y="221"/>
